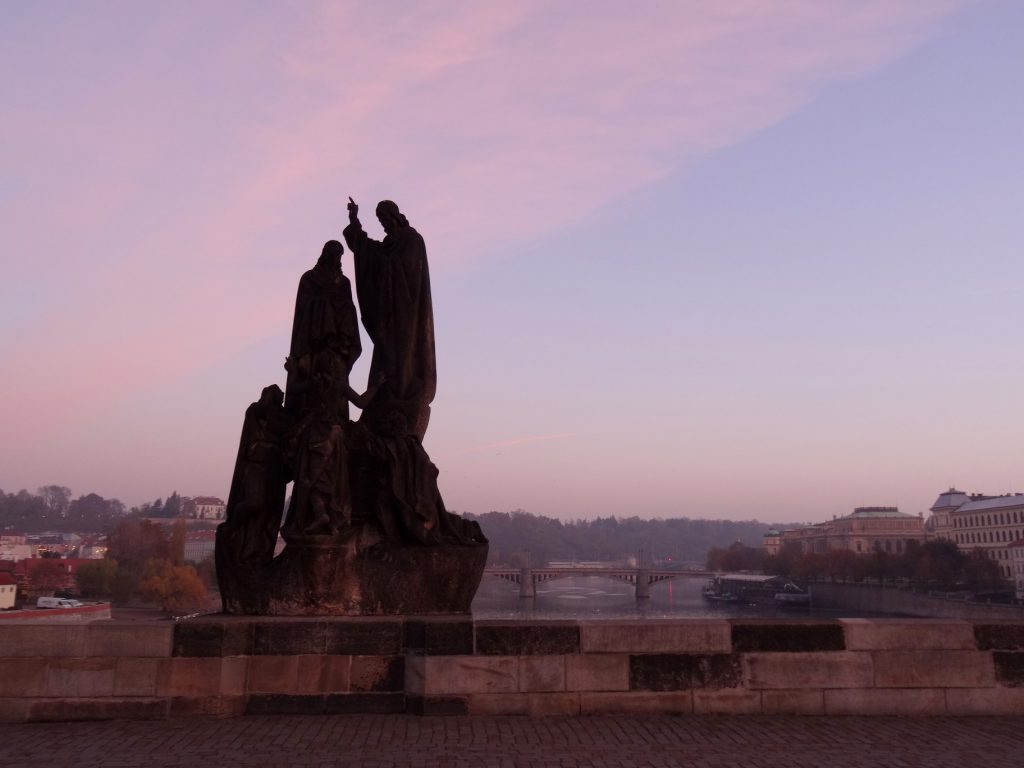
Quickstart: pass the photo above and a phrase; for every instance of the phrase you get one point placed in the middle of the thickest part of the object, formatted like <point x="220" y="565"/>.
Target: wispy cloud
<point x="167" y="176"/>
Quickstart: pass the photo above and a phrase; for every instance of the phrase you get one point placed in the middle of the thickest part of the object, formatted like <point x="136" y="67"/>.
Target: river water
<point x="597" y="597"/>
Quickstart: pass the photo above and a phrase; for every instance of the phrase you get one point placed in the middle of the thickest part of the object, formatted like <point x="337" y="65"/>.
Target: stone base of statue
<point x="321" y="578"/>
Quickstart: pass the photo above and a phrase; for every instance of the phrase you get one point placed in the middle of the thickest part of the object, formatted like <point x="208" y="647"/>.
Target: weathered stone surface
<point x="655" y="636"/>
<point x="842" y="669"/>
<point x="542" y="673"/>
<point x="299" y="675"/>
<point x="189" y="677"/>
<point x="597" y="672"/>
<point x="439" y="635"/>
<point x="43" y="640"/>
<point x="445" y="675"/>
<point x="275" y="674"/>
<point x="673" y="672"/>
<point x="437" y="705"/>
<point x="378" y="674"/>
<point x="726" y="701"/>
<point x="136" y="677"/>
<point x="223" y="636"/>
<point x="134" y="638"/>
<point x="788" y="637"/>
<point x="59" y="710"/>
<point x="84" y="678"/>
<point x="503" y="638"/>
<point x="207" y="706"/>
<point x="791" y="702"/>
<point x="606" y="703"/>
<point x="14" y="710"/>
<point x="1000" y="637"/>
<point x="23" y="677"/>
<point x="1009" y="668"/>
<point x="331" y="704"/>
<point x="376" y="636"/>
<point x="933" y="669"/>
<point x="338" y="581"/>
<point x="904" y="634"/>
<point x="284" y="637"/>
<point x="885" y="701"/>
<point x="985" y="701"/>
<point x="364" y="704"/>
<point x="335" y="674"/>
<point x="285" y="704"/>
<point x="531" y="704"/>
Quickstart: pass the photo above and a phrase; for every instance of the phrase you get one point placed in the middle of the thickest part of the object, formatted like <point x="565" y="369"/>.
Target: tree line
<point x="674" y="541"/>
<point x="937" y="564"/>
<point x="53" y="508"/>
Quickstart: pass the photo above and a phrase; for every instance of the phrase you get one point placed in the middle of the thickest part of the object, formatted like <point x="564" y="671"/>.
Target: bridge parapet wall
<point x="229" y="666"/>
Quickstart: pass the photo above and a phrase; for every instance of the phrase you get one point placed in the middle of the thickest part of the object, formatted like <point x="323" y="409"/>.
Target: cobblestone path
<point x="373" y="741"/>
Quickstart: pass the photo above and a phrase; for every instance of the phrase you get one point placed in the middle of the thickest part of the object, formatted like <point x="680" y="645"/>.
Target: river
<point x="597" y="597"/>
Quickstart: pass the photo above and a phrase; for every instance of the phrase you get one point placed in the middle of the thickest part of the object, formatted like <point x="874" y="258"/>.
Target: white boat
<point x="792" y="596"/>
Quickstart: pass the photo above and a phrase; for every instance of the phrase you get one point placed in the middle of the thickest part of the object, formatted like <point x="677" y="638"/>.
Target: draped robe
<point x="393" y="288"/>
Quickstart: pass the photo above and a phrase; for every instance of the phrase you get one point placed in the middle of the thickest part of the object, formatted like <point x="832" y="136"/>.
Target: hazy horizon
<point x="737" y="261"/>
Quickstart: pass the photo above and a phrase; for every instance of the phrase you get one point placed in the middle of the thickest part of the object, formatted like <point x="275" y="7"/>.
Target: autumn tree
<point x="97" y="578"/>
<point x="133" y="543"/>
<point x="177" y="588"/>
<point x="46" y="575"/>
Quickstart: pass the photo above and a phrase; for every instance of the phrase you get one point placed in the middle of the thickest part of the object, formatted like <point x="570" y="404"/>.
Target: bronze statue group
<point x="358" y="484"/>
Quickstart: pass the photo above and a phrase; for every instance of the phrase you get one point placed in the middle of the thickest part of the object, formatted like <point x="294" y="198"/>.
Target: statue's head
<point x="390" y="217"/>
<point x="272" y="395"/>
<point x="331" y="254"/>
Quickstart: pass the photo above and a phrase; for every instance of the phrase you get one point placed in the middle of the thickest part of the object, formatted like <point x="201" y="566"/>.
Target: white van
<point x="57" y="602"/>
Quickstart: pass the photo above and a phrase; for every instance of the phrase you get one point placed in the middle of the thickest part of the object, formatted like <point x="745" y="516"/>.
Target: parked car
<point x="58" y="602"/>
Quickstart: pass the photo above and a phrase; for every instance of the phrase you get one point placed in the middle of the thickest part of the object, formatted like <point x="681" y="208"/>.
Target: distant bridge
<point x="641" y="578"/>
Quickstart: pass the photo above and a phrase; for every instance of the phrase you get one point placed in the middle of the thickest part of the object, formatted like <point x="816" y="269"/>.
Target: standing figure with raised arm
<point x="393" y="288"/>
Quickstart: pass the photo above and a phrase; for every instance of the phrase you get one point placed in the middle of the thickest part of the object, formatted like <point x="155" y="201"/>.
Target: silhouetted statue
<point x="393" y="286"/>
<point x="325" y="322"/>
<point x="256" y="498"/>
<point x="397" y="483"/>
<point x="366" y="531"/>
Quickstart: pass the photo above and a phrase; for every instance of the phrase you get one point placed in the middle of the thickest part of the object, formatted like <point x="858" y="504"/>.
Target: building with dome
<point x="975" y="521"/>
<point x="865" y="530"/>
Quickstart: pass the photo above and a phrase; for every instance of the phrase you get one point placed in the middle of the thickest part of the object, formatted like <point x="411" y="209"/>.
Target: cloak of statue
<point x="393" y="287"/>
<point x="325" y="322"/>
<point x="325" y="344"/>
<point x="256" y="498"/>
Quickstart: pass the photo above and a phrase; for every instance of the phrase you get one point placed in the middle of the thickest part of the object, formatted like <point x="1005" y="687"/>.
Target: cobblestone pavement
<point x="503" y="742"/>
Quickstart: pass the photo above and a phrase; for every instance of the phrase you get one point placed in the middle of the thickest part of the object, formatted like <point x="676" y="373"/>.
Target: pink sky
<point x="169" y="172"/>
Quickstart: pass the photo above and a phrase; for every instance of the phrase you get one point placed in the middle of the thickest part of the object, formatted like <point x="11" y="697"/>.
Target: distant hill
<point x="680" y="540"/>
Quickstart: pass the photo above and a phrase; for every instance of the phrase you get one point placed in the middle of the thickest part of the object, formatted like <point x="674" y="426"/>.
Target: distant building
<point x="199" y="546"/>
<point x="1017" y="567"/>
<point x="207" y="508"/>
<point x="865" y="530"/>
<point x="94" y="548"/>
<point x="772" y="542"/>
<point x="8" y="590"/>
<point x="979" y="522"/>
<point x="15" y="552"/>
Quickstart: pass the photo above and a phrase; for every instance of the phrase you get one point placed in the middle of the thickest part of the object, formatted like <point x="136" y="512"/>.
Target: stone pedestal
<point x="321" y="579"/>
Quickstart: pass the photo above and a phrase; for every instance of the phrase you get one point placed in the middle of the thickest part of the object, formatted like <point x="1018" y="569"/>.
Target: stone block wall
<point x="228" y="666"/>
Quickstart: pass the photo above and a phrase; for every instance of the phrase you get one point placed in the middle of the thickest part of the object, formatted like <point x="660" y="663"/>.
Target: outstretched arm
<point x="354" y="235"/>
<point x="363" y="400"/>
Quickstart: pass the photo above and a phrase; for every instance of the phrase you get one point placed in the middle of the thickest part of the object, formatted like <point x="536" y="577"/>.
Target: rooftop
<point x="993" y="502"/>
<point x="876" y="512"/>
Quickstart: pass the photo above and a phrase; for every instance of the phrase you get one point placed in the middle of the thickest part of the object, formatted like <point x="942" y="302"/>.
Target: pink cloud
<point x="153" y="198"/>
